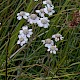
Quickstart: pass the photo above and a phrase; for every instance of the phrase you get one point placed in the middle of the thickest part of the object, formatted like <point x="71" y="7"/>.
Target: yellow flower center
<point x="21" y="39"/>
<point x="53" y="48"/>
<point x="58" y="35"/>
<point x="33" y="16"/>
<point x="44" y="21"/>
<point x="22" y="13"/>
<point x="41" y="10"/>
<point x="49" y="2"/>
<point x="49" y="9"/>
<point x="48" y="41"/>
<point x="25" y="31"/>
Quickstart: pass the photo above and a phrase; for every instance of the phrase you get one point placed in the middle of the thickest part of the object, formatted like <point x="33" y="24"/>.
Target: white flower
<point x="43" y="22"/>
<point x="0" y="23"/>
<point x="48" y="43"/>
<point x="33" y="18"/>
<point x="22" y="14"/>
<point x="48" y="3"/>
<point x="57" y="37"/>
<point x="22" y="39"/>
<point x="53" y="49"/>
<point x="40" y="12"/>
<point x="35" y="0"/>
<point x="26" y="31"/>
<point x="49" y="10"/>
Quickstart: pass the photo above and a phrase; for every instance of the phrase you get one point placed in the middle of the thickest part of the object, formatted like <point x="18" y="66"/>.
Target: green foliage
<point x="32" y="61"/>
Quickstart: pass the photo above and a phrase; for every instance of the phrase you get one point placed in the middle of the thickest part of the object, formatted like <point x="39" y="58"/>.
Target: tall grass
<point x="32" y="61"/>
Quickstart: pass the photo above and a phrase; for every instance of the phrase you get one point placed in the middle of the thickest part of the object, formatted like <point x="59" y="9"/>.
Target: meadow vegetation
<point x="32" y="61"/>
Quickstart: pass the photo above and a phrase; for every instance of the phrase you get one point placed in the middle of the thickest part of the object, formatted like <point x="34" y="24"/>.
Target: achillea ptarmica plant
<point x="50" y="44"/>
<point x="24" y="34"/>
<point x="41" y="19"/>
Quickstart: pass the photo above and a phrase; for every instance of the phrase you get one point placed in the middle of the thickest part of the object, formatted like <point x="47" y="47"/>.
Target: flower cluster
<point x="50" y="43"/>
<point x="47" y="10"/>
<point x="24" y="34"/>
<point x="41" y="20"/>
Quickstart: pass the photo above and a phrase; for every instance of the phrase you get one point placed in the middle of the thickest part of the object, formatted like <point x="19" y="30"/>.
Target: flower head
<point x="43" y="22"/>
<point x="40" y="12"/>
<point x="22" y="14"/>
<point x="48" y="3"/>
<point x="33" y="18"/>
<point x="57" y="37"/>
<point x="35" y="0"/>
<point x="26" y="31"/>
<point x="49" y="10"/>
<point x="53" y="49"/>
<point x="22" y="40"/>
<point x="48" y="42"/>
